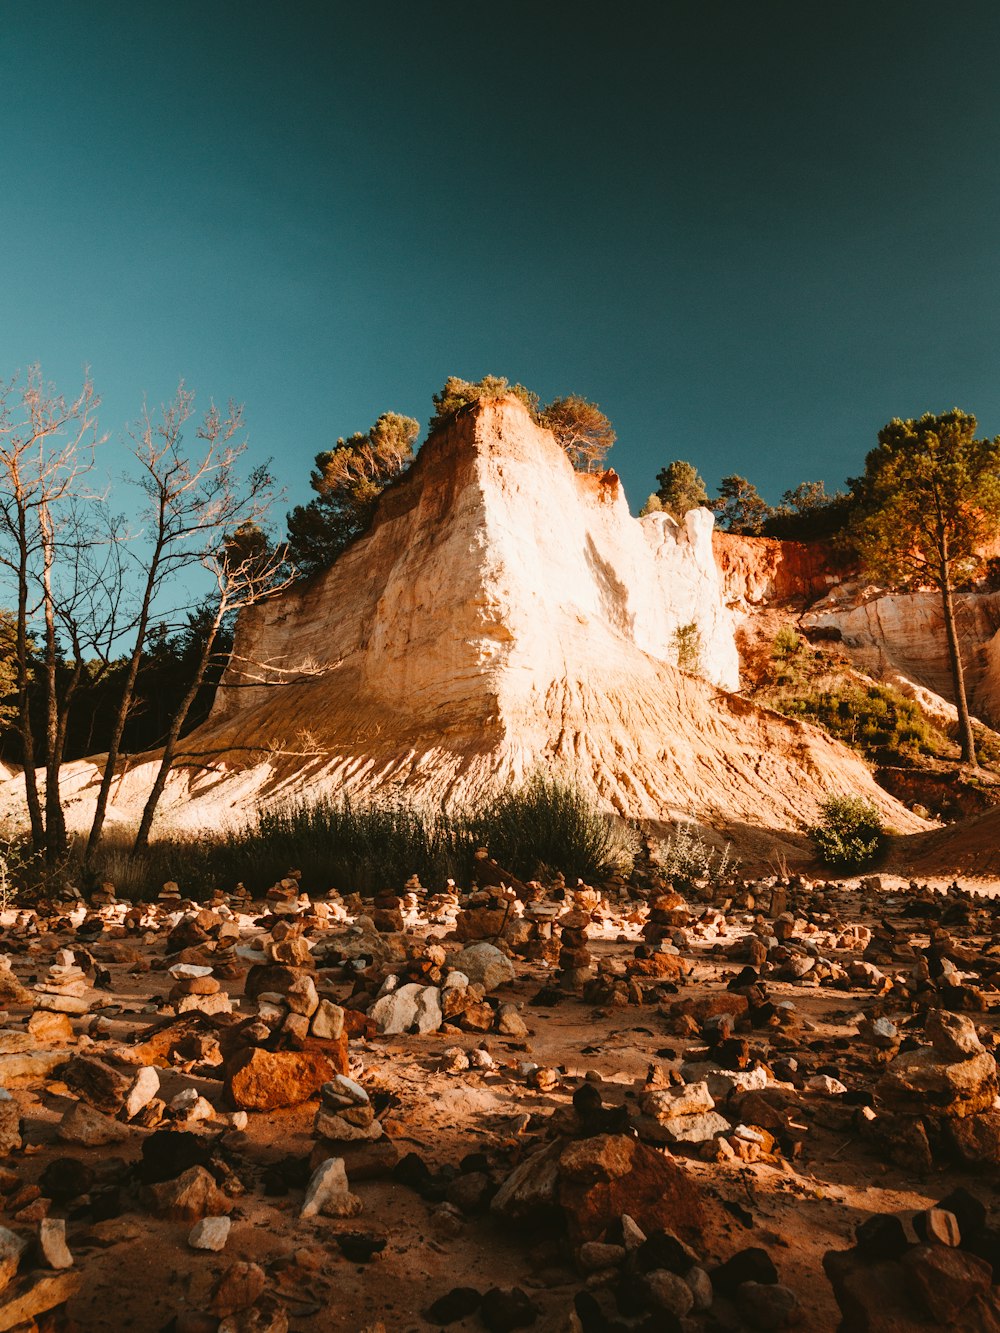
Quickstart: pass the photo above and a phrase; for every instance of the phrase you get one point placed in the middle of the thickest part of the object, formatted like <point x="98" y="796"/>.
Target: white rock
<point x="328" y="1192"/>
<point x="52" y="1238"/>
<point x="145" y="1086"/>
<point x="11" y="1249"/>
<point x="825" y="1085"/>
<point x="397" y="1011"/>
<point x="186" y="971"/>
<point x="484" y="965"/>
<point x="211" y="1233"/>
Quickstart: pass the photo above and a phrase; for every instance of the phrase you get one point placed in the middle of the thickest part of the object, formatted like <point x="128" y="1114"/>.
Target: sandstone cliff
<point x="506" y="612"/>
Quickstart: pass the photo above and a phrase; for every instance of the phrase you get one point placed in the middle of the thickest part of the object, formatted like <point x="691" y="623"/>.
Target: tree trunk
<point x="124" y="704"/>
<point x="170" y="745"/>
<point x="965" y="737"/>
<point x="24" y="692"/>
<point x="55" y="823"/>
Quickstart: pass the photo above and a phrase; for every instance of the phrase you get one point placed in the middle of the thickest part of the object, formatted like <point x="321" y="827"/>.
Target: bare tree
<point x="46" y="449"/>
<point x="194" y="498"/>
<point x="247" y="570"/>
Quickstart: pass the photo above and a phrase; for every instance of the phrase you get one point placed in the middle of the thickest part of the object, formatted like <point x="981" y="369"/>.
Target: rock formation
<point x="506" y="613"/>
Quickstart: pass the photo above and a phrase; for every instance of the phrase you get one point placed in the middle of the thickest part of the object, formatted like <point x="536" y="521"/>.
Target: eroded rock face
<point x="504" y="613"/>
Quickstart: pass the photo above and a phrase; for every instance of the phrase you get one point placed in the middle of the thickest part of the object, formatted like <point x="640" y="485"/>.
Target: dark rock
<point x="881" y="1236"/>
<point x="749" y="1265"/>
<point x="168" y="1153"/>
<point x="458" y="1303"/>
<point x="502" y="1311"/>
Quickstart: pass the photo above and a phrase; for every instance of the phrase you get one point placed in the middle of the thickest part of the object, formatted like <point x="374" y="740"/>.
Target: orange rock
<point x="260" y="1080"/>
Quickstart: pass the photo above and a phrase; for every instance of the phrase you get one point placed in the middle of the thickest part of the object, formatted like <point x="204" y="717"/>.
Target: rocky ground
<point x="754" y="1107"/>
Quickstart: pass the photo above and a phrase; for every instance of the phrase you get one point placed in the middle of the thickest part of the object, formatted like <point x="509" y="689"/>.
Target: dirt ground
<point x="138" y="1272"/>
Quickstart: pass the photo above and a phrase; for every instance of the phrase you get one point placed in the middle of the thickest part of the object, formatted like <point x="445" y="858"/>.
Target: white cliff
<point x="504" y="613"/>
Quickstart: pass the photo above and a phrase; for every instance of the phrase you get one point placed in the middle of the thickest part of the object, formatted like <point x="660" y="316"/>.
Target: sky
<point x="753" y="233"/>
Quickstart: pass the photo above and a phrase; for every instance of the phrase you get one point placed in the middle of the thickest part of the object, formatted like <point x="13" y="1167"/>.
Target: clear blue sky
<point x="751" y="232"/>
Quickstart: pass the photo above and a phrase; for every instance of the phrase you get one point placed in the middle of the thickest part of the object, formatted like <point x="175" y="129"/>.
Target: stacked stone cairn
<point x="196" y="988"/>
<point x="575" y="959"/>
<point x="65" y="989"/>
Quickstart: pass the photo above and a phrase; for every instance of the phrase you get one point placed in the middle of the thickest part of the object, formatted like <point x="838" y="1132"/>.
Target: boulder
<point x="485" y="965"/>
<point x="590" y="1183"/>
<point x="260" y="1080"/>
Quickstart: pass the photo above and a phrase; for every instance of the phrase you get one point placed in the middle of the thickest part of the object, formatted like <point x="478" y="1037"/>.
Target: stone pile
<point x="194" y="987"/>
<point x="575" y="959"/>
<point x="942" y="1276"/>
<point x="64" y="990"/>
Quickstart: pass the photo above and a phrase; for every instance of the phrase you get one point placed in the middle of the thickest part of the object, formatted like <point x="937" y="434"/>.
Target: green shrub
<point x="550" y="824"/>
<point x="850" y="835"/>
<point x="875" y="719"/>
<point x="787" y="643"/>
<point x="688" y="646"/>
<point x="546" y="823"/>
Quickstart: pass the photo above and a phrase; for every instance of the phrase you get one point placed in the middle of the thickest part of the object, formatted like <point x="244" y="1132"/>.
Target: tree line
<point x="922" y="515"/>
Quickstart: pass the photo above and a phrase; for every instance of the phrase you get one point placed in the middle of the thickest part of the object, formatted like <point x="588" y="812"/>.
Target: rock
<point x="938" y="1226"/>
<point x="695" y="1128"/>
<point x="52" y="1239"/>
<point x="882" y="1236"/>
<point x="690" y="1099"/>
<point x="89" y="1128"/>
<point x="210" y="1233"/>
<point x="953" y="1036"/>
<point x="10" y="1123"/>
<point x="428" y="1013"/>
<point x="459" y="1303"/>
<point x="825" y="1085"/>
<point x="976" y="1138"/>
<point x="920" y="1082"/>
<point x="237" y="1289"/>
<point x="767" y="1304"/>
<point x="97" y="1082"/>
<point x="11" y="1249"/>
<point x="328" y="1192"/>
<point x="945" y="1281"/>
<point x="700" y="1285"/>
<point x="594" y="1255"/>
<point x="666" y="1291"/>
<point x="397" y="1011"/>
<point x="260" y="1080"/>
<point x="192" y="1196"/>
<point x="36" y="1294"/>
<point x="750" y="1265"/>
<point x="301" y="996"/>
<point x="510" y="1023"/>
<point x="50" y="1027"/>
<point x="29" y="1065"/>
<point x="328" y="1021"/>
<point x="593" y="1181"/>
<point x="484" y="965"/>
<point x="502" y="1311"/>
<point x="145" y="1086"/>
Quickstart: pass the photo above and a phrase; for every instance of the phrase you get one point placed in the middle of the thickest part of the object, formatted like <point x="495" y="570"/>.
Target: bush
<point x="686" y="856"/>
<point x="787" y="643"/>
<point x="688" y="645"/>
<point x="875" y="719"/>
<point x="851" y="835"/>
<point x="458" y="393"/>
<point x="547" y="823"/>
<point x="551" y="825"/>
